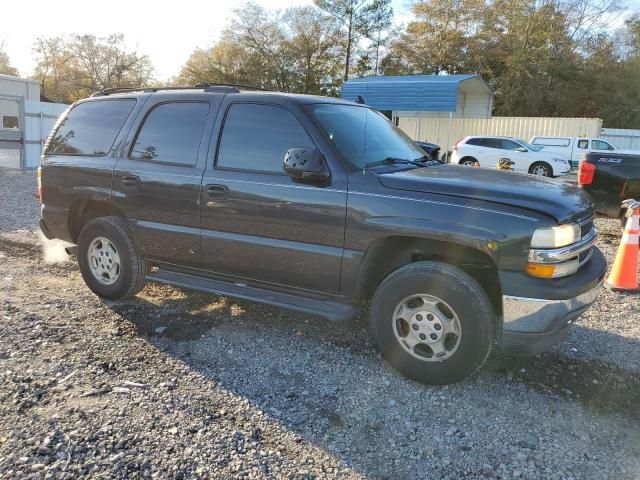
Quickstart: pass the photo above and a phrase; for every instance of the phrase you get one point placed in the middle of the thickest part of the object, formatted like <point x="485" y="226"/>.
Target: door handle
<point x="217" y="191"/>
<point x="130" y="180"/>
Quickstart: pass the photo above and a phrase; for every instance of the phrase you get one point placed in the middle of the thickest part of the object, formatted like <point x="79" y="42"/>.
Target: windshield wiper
<point x="392" y="161"/>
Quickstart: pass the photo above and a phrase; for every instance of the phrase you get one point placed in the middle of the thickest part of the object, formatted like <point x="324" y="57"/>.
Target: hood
<point x="551" y="197"/>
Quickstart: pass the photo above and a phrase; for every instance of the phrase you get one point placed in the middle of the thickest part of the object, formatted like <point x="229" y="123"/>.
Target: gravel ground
<point x="19" y="207"/>
<point x="176" y="384"/>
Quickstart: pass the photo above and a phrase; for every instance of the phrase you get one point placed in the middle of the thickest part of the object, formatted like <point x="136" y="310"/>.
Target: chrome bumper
<point x="536" y="315"/>
<point x="562" y="254"/>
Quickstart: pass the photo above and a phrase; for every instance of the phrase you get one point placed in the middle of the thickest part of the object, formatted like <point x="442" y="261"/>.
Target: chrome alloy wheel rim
<point x="540" y="170"/>
<point x="427" y="327"/>
<point x="104" y="260"/>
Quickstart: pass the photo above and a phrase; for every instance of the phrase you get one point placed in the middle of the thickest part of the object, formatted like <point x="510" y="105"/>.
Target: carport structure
<point x="419" y="97"/>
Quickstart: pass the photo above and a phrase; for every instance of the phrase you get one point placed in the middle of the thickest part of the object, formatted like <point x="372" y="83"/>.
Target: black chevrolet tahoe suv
<point x="318" y="205"/>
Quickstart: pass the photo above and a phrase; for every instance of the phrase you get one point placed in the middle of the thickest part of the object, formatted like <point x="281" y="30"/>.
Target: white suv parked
<point x="485" y="151"/>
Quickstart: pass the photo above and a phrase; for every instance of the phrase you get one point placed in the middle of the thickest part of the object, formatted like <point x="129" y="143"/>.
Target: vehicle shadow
<point x="326" y="382"/>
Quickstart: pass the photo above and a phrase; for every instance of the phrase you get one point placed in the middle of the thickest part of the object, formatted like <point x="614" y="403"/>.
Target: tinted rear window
<point x="90" y="128"/>
<point x="171" y="133"/>
<point x="474" y="141"/>
<point x="490" y="143"/>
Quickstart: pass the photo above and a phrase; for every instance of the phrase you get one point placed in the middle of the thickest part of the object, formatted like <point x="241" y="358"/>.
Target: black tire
<point x="133" y="267"/>
<point x="465" y="297"/>
<point x="468" y="161"/>
<point x="542" y="166"/>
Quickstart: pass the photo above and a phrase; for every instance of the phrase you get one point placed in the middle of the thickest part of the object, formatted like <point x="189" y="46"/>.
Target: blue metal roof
<point x="425" y="93"/>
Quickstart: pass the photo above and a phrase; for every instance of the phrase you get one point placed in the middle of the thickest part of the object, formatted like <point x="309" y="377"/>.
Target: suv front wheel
<point x="432" y="322"/>
<point x="109" y="260"/>
<point x="541" y="169"/>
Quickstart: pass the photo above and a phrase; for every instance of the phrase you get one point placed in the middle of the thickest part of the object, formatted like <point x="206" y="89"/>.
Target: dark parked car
<point x="430" y="149"/>
<point x="610" y="178"/>
<point x="316" y="205"/>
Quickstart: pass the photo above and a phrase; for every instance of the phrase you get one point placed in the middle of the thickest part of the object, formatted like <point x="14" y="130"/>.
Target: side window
<point x="490" y="143"/>
<point x="171" y="133"/>
<point x="600" y="145"/>
<point x="256" y="137"/>
<point x="474" y="141"/>
<point x="90" y="128"/>
<point x="510" y="144"/>
<point x="583" y="143"/>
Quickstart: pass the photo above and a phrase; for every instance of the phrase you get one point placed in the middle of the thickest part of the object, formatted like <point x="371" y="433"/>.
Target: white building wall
<point x="622" y="138"/>
<point x="445" y="131"/>
<point x="20" y="87"/>
<point x="40" y="117"/>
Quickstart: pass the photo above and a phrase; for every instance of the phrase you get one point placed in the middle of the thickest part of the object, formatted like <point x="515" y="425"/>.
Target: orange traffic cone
<point x="624" y="272"/>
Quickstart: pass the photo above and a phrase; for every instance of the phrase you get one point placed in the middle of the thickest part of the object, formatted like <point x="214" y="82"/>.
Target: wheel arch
<point x="542" y="162"/>
<point x="83" y="211"/>
<point x="388" y="254"/>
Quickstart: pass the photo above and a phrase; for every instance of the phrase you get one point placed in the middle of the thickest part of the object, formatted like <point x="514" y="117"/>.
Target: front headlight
<point x="556" y="237"/>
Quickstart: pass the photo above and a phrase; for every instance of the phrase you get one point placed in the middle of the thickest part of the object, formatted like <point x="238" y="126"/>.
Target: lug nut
<point x="423" y="336"/>
<point x="414" y="326"/>
<point x="418" y="317"/>
<point x="430" y="317"/>
<point x="434" y="336"/>
<point x="437" y="326"/>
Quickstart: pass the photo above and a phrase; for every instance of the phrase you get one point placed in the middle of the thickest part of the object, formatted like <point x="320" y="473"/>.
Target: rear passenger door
<point x="258" y="223"/>
<point x="157" y="180"/>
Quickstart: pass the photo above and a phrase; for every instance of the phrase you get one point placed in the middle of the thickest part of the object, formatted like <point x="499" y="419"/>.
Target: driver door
<point x="258" y="223"/>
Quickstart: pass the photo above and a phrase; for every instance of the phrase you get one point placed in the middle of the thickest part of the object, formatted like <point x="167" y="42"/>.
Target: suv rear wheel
<point x="109" y="260"/>
<point x="432" y="322"/>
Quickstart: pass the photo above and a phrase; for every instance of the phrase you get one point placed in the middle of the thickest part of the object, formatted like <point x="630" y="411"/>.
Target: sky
<point x="168" y="33"/>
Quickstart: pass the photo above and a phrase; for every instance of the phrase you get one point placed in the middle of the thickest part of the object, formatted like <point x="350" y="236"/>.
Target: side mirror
<point x="305" y="164"/>
<point x="521" y="149"/>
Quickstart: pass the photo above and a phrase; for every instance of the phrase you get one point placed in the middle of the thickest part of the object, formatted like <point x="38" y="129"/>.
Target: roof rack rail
<point x="207" y="87"/>
<point x="235" y="85"/>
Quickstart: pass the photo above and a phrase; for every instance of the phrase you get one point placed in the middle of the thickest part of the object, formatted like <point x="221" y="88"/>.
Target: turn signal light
<point x="553" y="270"/>
<point x="541" y="271"/>
<point x="586" y="172"/>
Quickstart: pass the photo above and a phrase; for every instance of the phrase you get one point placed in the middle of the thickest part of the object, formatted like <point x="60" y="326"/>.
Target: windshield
<point x="534" y="148"/>
<point x="364" y="136"/>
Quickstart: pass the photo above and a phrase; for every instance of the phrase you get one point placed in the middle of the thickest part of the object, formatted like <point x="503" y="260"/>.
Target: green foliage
<point x="358" y="18"/>
<point x="5" y="63"/>
<point x="297" y="50"/>
<point x="73" y="67"/>
<point x="541" y="57"/>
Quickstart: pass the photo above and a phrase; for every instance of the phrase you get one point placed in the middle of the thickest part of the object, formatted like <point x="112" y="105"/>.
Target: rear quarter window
<point x="90" y="128"/>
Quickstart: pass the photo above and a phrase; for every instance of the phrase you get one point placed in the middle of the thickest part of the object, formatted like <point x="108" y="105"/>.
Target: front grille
<point x="586" y="225"/>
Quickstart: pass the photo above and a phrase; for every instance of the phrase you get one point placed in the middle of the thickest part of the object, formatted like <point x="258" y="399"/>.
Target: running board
<point x="324" y="308"/>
